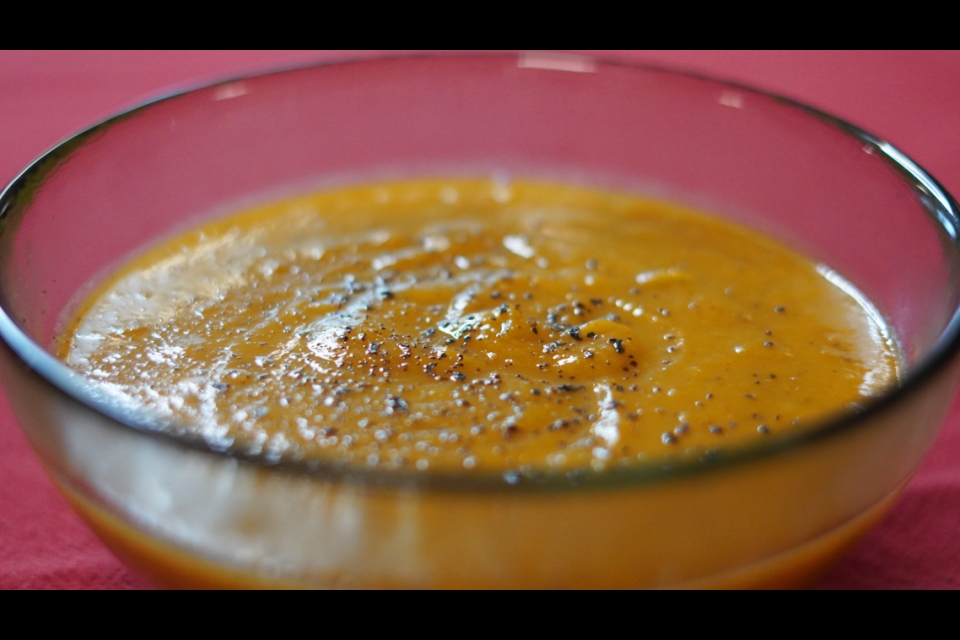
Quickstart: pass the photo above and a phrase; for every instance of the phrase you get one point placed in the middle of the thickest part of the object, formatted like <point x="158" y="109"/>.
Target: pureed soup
<point x="468" y="326"/>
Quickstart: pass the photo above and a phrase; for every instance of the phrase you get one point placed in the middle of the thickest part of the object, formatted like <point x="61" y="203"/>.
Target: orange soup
<point x="470" y="326"/>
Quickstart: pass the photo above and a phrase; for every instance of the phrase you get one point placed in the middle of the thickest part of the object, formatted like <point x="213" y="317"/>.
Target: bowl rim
<point x="937" y="201"/>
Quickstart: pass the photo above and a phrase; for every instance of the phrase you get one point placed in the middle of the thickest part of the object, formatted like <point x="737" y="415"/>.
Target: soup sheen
<point x="477" y="326"/>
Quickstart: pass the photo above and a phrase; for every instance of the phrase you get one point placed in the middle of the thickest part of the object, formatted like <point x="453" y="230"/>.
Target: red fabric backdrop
<point x="911" y="99"/>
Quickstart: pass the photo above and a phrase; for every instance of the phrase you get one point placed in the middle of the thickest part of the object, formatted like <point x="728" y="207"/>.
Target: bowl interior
<point x="820" y="185"/>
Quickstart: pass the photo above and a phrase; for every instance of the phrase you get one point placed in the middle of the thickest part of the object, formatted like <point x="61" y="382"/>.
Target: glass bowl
<point x="776" y="513"/>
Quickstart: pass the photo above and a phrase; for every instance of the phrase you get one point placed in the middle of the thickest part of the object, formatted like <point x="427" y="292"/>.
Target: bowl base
<point x="167" y="566"/>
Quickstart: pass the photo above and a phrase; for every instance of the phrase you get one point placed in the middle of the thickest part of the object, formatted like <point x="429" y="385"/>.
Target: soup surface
<point x="477" y="326"/>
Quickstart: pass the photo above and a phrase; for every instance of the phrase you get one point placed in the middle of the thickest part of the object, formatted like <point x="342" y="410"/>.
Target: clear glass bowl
<point x="774" y="514"/>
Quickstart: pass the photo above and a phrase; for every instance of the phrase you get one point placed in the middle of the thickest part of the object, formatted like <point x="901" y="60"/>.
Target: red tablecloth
<point x="911" y="99"/>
